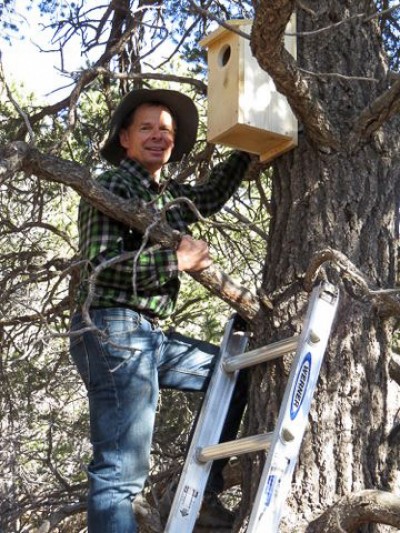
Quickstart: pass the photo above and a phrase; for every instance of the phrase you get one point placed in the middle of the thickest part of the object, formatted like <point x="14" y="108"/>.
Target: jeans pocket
<point x="120" y="340"/>
<point x="80" y="357"/>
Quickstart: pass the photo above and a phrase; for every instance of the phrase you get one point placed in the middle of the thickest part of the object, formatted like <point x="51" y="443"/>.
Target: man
<point x="128" y="358"/>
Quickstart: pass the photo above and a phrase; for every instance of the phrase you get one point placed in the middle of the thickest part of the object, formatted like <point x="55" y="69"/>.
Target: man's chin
<point x="158" y="157"/>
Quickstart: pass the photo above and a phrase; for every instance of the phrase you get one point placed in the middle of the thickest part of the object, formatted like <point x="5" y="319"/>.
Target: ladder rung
<point x="254" y="443"/>
<point x="260" y="355"/>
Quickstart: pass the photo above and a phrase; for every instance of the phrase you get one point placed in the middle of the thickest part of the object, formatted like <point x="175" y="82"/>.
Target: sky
<point x="25" y="64"/>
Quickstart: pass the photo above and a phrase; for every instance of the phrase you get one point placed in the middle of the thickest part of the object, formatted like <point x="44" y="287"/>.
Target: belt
<point x="154" y="320"/>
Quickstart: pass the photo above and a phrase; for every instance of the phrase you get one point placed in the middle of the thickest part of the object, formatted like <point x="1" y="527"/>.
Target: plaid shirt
<point x="149" y="281"/>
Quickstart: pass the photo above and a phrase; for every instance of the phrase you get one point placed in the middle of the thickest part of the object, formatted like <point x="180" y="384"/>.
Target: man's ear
<point x="123" y="138"/>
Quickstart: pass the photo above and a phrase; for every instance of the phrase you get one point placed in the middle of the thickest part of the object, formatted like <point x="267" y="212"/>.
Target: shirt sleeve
<point x="223" y="182"/>
<point x="103" y="239"/>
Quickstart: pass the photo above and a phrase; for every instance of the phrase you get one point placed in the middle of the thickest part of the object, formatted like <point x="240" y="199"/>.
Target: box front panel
<point x="223" y="84"/>
<point x="245" y="110"/>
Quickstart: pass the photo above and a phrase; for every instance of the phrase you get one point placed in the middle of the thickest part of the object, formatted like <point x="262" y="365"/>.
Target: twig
<point x="337" y="75"/>
<point x="334" y="26"/>
<point x="248" y="223"/>
<point x="149" y="76"/>
<point x="209" y="15"/>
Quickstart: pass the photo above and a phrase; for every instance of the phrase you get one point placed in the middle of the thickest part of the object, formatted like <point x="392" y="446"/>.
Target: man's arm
<point x="223" y="182"/>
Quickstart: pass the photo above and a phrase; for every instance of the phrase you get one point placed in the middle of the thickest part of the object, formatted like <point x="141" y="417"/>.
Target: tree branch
<point x="209" y="15"/>
<point x="267" y="47"/>
<point x="202" y="87"/>
<point x="394" y="369"/>
<point x="385" y="300"/>
<point x="86" y="77"/>
<point x="376" y="114"/>
<point x="354" y="510"/>
<point x="18" y="156"/>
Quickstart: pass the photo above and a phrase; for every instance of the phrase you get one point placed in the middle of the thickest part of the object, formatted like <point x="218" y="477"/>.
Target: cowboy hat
<point x="182" y="108"/>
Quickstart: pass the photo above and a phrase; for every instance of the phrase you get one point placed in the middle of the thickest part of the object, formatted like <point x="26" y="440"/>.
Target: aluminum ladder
<point x="283" y="444"/>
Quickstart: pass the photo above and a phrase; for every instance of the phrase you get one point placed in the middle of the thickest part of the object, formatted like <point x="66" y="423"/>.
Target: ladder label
<point x="271" y="483"/>
<point x="278" y="471"/>
<point x="189" y="496"/>
<point x="300" y="387"/>
<point x="271" y="494"/>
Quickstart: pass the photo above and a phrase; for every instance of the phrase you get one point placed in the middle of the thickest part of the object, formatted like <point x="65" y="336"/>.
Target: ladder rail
<point x="189" y="493"/>
<point x="277" y="473"/>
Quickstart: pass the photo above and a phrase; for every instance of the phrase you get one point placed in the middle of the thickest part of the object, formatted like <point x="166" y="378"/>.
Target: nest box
<point x="245" y="111"/>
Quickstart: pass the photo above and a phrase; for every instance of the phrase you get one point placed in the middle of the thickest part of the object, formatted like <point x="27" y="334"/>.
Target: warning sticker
<point x="189" y="496"/>
<point x="274" y="480"/>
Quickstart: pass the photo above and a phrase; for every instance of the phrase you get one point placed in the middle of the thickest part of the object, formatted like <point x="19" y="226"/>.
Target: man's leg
<point x="120" y="372"/>
<point x="184" y="363"/>
<point x="187" y="364"/>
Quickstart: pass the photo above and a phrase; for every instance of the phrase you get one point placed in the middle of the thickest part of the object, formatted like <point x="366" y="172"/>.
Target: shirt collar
<point x="138" y="171"/>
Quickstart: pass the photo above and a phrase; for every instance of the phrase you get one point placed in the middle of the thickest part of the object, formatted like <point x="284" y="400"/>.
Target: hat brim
<point x="182" y="108"/>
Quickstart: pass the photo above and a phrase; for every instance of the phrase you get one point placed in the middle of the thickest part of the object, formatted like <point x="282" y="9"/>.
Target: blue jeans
<point x="123" y="365"/>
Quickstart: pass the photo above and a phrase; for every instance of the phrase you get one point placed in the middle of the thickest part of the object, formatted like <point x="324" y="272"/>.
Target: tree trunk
<point x="344" y="199"/>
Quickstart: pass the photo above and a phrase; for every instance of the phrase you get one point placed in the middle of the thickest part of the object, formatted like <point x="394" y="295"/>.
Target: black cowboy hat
<point x="182" y="108"/>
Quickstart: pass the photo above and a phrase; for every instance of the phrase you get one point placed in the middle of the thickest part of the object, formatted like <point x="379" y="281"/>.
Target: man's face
<point x="149" y="139"/>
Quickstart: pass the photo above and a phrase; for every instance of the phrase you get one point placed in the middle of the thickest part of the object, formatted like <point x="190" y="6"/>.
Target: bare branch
<point x="376" y="114"/>
<point x="354" y="510"/>
<point x="226" y="25"/>
<point x="331" y="27"/>
<point x="394" y="370"/>
<point x="85" y="79"/>
<point x="338" y="75"/>
<point x="385" y="300"/>
<point x="247" y="222"/>
<point x="16" y="105"/>
<point x="150" y="76"/>
<point x="361" y="16"/>
<point x="383" y="13"/>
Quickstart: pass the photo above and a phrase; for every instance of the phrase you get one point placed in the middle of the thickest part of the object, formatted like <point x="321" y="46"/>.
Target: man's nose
<point x="156" y="133"/>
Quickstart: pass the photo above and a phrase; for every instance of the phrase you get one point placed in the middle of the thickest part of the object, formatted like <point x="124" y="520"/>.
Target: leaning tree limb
<point x="386" y="301"/>
<point x="376" y="114"/>
<point x="20" y="157"/>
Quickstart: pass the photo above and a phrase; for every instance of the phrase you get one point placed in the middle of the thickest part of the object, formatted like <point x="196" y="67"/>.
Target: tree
<point x="337" y="190"/>
<point x="333" y="214"/>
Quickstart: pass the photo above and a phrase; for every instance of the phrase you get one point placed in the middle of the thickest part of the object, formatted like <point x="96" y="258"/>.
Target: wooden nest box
<point x="245" y="111"/>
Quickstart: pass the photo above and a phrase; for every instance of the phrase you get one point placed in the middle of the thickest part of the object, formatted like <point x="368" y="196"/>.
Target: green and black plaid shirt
<point x="155" y="270"/>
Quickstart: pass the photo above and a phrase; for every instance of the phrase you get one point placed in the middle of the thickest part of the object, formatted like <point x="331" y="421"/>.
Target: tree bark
<point x="344" y="198"/>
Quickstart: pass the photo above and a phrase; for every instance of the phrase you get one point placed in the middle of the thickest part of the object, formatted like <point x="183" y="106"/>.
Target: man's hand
<point x="193" y="255"/>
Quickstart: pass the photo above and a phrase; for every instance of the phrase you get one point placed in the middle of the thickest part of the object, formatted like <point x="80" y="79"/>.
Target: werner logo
<point x="300" y="388"/>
